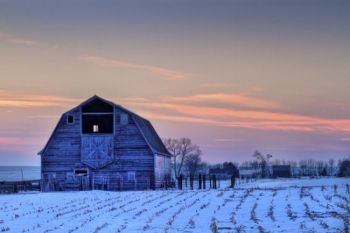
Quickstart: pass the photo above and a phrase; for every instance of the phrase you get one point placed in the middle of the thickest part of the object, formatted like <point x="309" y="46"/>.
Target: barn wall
<point x="62" y="152"/>
<point x="132" y="152"/>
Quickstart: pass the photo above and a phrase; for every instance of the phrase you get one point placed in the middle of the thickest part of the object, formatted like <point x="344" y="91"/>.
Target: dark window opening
<point x="97" y="105"/>
<point x="70" y="119"/>
<point x="81" y="171"/>
<point x="97" y="124"/>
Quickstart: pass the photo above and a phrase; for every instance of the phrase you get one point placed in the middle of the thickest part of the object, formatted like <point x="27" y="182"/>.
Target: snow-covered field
<point x="291" y="205"/>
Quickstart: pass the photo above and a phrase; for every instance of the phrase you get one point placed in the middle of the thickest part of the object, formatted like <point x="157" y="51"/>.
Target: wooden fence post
<point x="191" y="181"/>
<point x="203" y="181"/>
<point x="214" y="181"/>
<point x="179" y="182"/>
<point x="233" y="181"/>
<point x="200" y="181"/>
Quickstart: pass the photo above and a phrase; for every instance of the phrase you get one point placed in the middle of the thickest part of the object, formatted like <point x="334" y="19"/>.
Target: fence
<point x="205" y="181"/>
<point x="19" y="186"/>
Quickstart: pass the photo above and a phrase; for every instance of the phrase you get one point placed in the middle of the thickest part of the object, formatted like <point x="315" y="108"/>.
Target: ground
<point x="289" y="205"/>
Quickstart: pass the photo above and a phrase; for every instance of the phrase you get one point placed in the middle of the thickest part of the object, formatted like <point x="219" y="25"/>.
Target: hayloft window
<point x="70" y="119"/>
<point x="97" y="117"/>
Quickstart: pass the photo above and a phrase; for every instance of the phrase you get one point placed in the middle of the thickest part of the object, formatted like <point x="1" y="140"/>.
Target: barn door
<point x="83" y="178"/>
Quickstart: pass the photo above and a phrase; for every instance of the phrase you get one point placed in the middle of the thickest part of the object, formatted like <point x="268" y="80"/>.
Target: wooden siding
<point x="162" y="169"/>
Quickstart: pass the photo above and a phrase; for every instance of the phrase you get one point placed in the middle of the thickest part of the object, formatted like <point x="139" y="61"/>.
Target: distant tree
<point x="180" y="150"/>
<point x="344" y="169"/>
<point x="303" y="167"/>
<point x="203" y="168"/>
<point x="263" y="161"/>
<point x="331" y="163"/>
<point x="192" y="161"/>
<point x="231" y="169"/>
<point x="320" y="168"/>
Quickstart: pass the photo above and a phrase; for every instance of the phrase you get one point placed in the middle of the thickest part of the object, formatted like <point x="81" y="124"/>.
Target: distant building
<point x="101" y="145"/>
<point x="281" y="171"/>
<point x="249" y="173"/>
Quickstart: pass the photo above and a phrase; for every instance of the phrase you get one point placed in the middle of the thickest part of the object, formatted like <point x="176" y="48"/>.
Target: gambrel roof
<point x="148" y="132"/>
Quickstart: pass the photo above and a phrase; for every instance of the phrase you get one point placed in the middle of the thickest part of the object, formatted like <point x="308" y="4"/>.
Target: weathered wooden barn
<point x="101" y="145"/>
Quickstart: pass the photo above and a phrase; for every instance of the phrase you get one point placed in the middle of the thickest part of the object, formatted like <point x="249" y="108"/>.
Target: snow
<point x="280" y="205"/>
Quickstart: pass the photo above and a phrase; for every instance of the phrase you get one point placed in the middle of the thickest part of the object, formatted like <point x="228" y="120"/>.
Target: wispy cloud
<point x="230" y="140"/>
<point x="189" y="109"/>
<point x="20" y="100"/>
<point x="114" y="63"/>
<point x="215" y="85"/>
<point x="233" y="117"/>
<point x="237" y="99"/>
<point x="7" y="38"/>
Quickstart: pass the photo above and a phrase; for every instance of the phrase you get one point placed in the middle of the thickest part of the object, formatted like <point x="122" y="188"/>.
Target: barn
<point x="102" y="145"/>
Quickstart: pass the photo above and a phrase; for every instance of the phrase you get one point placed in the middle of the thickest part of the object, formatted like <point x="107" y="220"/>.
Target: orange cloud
<point x="228" y="117"/>
<point x="159" y="71"/>
<point x="19" y="100"/>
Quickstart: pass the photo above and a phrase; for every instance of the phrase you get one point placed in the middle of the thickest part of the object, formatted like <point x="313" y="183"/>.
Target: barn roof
<point x="148" y="132"/>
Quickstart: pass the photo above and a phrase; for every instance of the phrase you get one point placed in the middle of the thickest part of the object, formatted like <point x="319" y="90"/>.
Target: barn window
<point x="124" y="119"/>
<point x="70" y="119"/>
<point x="131" y="176"/>
<point x="95" y="128"/>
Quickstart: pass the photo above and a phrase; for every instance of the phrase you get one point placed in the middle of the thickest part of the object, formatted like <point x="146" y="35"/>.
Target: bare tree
<point x="180" y="149"/>
<point x="263" y="161"/>
<point x="173" y="147"/>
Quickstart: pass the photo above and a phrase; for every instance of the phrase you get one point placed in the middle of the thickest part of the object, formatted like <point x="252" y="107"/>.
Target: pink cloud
<point x="16" y="141"/>
<point x="238" y="99"/>
<point x="345" y="139"/>
<point x="114" y="63"/>
<point x="230" y="140"/>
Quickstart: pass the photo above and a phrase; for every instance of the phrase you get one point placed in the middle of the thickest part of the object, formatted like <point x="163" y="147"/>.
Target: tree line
<point x="187" y="159"/>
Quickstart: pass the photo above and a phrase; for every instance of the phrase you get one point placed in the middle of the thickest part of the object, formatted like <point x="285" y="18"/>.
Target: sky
<point x="234" y="76"/>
